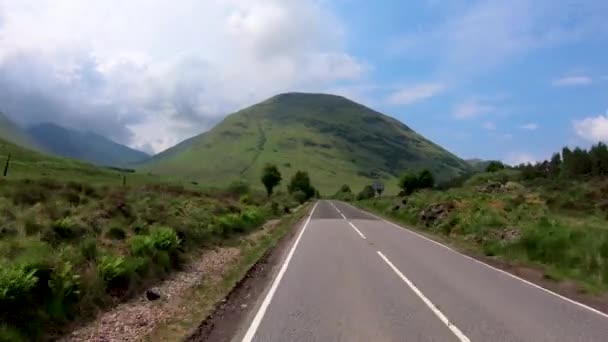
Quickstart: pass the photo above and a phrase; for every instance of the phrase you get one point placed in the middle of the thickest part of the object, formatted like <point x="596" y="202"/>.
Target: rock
<point x="491" y="187"/>
<point x="153" y="294"/>
<point x="513" y="186"/>
<point x="435" y="212"/>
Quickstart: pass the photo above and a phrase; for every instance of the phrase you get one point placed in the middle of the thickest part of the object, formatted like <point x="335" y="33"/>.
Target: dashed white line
<point x="253" y="328"/>
<point x="351" y="224"/>
<point x="357" y="230"/>
<point x="581" y="305"/>
<point x="462" y="337"/>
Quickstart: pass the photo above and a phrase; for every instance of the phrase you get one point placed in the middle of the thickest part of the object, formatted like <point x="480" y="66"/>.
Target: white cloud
<point x="572" y="81"/>
<point x="490" y="126"/>
<point x="531" y="126"/>
<point x="482" y="35"/>
<point x="412" y="94"/>
<point x="516" y="158"/>
<point x="593" y="129"/>
<point x="471" y="108"/>
<point x="150" y="73"/>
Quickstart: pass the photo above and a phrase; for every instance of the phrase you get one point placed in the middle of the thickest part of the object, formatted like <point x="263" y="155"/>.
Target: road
<point x="353" y="277"/>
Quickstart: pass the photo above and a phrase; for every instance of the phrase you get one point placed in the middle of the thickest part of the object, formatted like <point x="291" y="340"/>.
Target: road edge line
<point x="571" y="301"/>
<point x="253" y="327"/>
<point x="443" y="318"/>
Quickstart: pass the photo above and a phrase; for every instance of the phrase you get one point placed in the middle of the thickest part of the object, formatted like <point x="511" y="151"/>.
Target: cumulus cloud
<point x="593" y="129"/>
<point x="151" y="73"/>
<point x="412" y="94"/>
<point x="570" y="81"/>
<point x="531" y="126"/>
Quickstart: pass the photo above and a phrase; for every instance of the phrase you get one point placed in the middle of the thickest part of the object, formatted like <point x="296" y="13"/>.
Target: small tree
<point x="345" y="189"/>
<point x="271" y="177"/>
<point x="301" y="181"/>
<point x="426" y="180"/>
<point x="367" y="193"/>
<point x="495" y="166"/>
<point x="408" y="183"/>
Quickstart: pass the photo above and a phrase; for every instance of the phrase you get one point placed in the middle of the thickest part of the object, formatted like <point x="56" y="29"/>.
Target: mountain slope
<point x="10" y="132"/>
<point x="84" y="146"/>
<point x="336" y="140"/>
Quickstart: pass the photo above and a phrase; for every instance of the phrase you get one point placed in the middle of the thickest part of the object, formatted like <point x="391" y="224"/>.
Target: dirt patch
<point x="229" y="315"/>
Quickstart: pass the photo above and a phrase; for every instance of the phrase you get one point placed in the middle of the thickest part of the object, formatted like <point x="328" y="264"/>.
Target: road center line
<point x="357" y="230"/>
<point x="351" y="224"/>
<point x="462" y="337"/>
<point x="253" y="328"/>
<point x="536" y="286"/>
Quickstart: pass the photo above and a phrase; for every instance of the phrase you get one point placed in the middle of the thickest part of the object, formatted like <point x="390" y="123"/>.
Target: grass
<point x="203" y="299"/>
<point x="336" y="140"/>
<point x="69" y="249"/>
<point x="559" y="225"/>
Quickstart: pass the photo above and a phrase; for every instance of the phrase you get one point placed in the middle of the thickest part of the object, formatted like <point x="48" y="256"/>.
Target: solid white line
<point x="462" y="337"/>
<point x="581" y="305"/>
<point x="253" y="328"/>
<point x="357" y="230"/>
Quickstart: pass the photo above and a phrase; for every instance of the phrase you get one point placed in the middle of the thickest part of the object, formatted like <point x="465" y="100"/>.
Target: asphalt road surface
<point x="353" y="277"/>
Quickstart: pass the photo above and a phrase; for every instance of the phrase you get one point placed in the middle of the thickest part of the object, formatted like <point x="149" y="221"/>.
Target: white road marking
<point x="338" y="210"/>
<point x="357" y="230"/>
<point x="351" y="224"/>
<point x="581" y="305"/>
<point x="253" y="328"/>
<point x="462" y="337"/>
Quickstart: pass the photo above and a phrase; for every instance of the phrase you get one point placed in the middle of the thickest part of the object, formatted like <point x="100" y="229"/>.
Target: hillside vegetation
<point x="553" y="214"/>
<point x="334" y="139"/>
<point x="85" y="146"/>
<point x="12" y="133"/>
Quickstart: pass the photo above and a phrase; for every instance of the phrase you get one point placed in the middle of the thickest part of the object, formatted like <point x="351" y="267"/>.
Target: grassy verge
<point x="542" y="225"/>
<point x="70" y="249"/>
<point x="203" y="299"/>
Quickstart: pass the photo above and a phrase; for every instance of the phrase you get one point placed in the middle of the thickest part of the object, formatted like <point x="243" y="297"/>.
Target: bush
<point x="116" y="233"/>
<point x="88" y="249"/>
<point x="28" y="195"/>
<point x="239" y="188"/>
<point x="246" y="199"/>
<point x="367" y="193"/>
<point x="141" y="245"/>
<point x="113" y="270"/>
<point x="65" y="291"/>
<point x="31" y="227"/>
<point x="299" y="196"/>
<point x="16" y="284"/>
<point x="164" y="239"/>
<point x="64" y="229"/>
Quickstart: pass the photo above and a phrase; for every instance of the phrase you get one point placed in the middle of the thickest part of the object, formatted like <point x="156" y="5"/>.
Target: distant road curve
<point x="353" y="277"/>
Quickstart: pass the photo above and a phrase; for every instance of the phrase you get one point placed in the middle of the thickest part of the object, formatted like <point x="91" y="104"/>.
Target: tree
<point x="599" y="159"/>
<point x="426" y="180"/>
<point x="408" y="183"/>
<point x="345" y="189"/>
<point x="271" y="177"/>
<point x="301" y="181"/>
<point x="494" y="166"/>
<point x="555" y="165"/>
<point x="367" y="193"/>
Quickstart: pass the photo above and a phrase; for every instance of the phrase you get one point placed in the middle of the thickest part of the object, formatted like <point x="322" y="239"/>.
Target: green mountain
<point x="85" y="146"/>
<point x="10" y="132"/>
<point x="336" y="140"/>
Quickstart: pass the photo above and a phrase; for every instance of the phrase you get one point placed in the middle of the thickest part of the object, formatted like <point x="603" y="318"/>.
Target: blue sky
<point x="510" y="80"/>
<point x="506" y="80"/>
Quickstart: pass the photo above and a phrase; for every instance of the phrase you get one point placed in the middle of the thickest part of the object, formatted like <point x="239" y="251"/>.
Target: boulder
<point x="153" y="294"/>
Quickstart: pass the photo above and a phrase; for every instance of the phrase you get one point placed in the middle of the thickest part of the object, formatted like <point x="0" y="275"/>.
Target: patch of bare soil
<point x="134" y="320"/>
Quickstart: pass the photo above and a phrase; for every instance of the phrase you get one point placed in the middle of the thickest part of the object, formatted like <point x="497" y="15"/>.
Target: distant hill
<point x="336" y="140"/>
<point x="85" y="146"/>
<point x="10" y="132"/>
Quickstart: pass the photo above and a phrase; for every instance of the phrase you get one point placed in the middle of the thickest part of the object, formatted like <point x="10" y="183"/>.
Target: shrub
<point x="65" y="291"/>
<point x="299" y="196"/>
<point x="367" y="193"/>
<point x="31" y="226"/>
<point x="229" y="224"/>
<point x="16" y="284"/>
<point x="239" y="188"/>
<point x="141" y="245"/>
<point x="63" y="229"/>
<point x="246" y="199"/>
<point x="29" y="195"/>
<point x="88" y="249"/>
<point x="165" y="239"/>
<point x="71" y="196"/>
<point x="112" y="269"/>
<point x="116" y="233"/>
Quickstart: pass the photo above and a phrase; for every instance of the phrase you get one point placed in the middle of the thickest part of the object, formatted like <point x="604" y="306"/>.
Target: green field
<point x="336" y="140"/>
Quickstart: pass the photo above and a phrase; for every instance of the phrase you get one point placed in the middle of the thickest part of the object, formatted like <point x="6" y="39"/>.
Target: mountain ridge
<point x="337" y="140"/>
